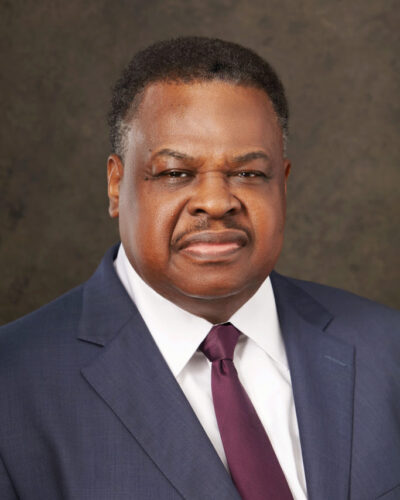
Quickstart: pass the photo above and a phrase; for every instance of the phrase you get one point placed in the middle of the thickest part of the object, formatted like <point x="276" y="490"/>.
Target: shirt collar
<point x="178" y="333"/>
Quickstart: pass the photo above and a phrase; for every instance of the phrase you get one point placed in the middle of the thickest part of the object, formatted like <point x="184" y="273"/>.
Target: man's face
<point x="201" y="192"/>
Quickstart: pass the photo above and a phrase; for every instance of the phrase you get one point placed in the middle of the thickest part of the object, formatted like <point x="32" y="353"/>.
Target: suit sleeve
<point x="7" y="491"/>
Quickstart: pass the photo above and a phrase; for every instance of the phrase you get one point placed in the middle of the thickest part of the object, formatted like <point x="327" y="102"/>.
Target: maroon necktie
<point x="251" y="459"/>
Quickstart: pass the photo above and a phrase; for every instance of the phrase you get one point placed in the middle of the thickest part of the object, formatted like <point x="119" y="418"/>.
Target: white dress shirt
<point x="259" y="358"/>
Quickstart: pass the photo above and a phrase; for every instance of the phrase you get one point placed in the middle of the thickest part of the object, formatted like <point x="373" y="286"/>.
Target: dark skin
<point x="201" y="194"/>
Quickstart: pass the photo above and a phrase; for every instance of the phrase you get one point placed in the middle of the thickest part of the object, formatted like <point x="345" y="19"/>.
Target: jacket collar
<point x="106" y="305"/>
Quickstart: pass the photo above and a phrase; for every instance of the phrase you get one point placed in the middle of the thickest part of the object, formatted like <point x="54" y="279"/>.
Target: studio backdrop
<point x="339" y="63"/>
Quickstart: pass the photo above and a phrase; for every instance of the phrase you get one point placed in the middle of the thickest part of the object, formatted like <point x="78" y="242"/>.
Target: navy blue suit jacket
<point x="90" y="411"/>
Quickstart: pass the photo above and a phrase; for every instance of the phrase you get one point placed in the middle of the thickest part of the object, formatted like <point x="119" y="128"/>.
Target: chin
<point x="214" y="289"/>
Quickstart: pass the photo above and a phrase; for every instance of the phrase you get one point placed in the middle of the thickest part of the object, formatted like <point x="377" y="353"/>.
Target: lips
<point x="213" y="245"/>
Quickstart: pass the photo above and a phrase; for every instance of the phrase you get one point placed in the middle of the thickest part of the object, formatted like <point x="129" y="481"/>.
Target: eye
<point x="249" y="174"/>
<point x="175" y="174"/>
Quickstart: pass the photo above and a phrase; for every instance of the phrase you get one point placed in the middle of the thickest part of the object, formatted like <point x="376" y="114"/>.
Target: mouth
<point x="213" y="245"/>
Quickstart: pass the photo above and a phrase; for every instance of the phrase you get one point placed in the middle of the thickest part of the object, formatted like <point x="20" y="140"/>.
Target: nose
<point x="212" y="196"/>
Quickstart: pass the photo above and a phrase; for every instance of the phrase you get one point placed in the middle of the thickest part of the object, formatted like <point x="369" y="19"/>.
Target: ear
<point x="287" y="166"/>
<point x="115" y="172"/>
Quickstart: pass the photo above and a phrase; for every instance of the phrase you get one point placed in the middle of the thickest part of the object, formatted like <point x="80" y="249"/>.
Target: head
<point x="197" y="174"/>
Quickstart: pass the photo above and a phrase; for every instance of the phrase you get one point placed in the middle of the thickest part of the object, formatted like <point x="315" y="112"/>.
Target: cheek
<point x="154" y="222"/>
<point x="268" y="220"/>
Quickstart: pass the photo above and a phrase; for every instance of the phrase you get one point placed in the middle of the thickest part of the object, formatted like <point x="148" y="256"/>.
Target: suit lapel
<point x="322" y="374"/>
<point x="131" y="376"/>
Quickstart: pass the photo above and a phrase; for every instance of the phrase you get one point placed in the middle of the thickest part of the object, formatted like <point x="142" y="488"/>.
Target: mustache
<point x="204" y="224"/>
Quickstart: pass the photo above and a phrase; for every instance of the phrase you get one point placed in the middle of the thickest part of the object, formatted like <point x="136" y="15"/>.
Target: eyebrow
<point x="254" y="155"/>
<point x="173" y="154"/>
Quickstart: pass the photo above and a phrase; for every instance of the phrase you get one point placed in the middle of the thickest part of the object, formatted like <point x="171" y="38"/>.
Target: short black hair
<point x="189" y="59"/>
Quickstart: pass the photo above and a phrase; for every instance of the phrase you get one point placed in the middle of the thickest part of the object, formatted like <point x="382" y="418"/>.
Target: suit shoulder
<point x="50" y="322"/>
<point x="361" y="313"/>
<point x="372" y="328"/>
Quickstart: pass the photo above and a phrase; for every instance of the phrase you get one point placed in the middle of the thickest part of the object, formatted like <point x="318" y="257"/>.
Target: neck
<point x="215" y="309"/>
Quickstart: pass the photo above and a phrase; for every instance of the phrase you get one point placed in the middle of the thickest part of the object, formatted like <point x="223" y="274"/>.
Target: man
<point x="107" y="392"/>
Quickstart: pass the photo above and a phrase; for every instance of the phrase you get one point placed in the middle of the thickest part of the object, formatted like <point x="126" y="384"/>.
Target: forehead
<point x="213" y="114"/>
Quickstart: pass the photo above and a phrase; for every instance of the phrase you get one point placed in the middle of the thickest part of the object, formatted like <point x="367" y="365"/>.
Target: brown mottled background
<point x="339" y="61"/>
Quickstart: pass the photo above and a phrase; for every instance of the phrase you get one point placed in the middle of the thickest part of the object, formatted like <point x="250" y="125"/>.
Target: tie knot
<point x="220" y="343"/>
